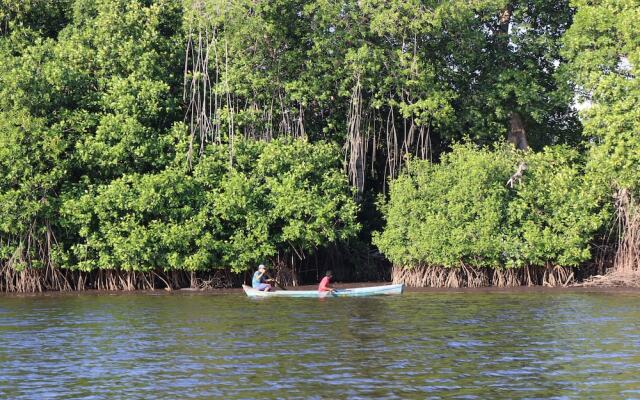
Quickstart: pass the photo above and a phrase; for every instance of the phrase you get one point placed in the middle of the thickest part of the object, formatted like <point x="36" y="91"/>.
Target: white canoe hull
<point x="355" y="292"/>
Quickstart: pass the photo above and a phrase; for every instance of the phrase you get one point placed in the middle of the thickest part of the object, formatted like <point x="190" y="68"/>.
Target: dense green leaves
<point x="451" y="67"/>
<point x="448" y="213"/>
<point x="93" y="152"/>
<point x="462" y="211"/>
<point x="603" y="46"/>
<point x="88" y="92"/>
<point x="279" y="198"/>
<point x="43" y="17"/>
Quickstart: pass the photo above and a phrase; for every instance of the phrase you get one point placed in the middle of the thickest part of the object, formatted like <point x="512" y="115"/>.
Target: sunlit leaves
<point x="279" y="198"/>
<point x="461" y="211"/>
<point x="603" y="46"/>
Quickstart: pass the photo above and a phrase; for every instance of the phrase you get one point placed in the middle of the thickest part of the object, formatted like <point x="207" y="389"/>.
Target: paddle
<point x="275" y="281"/>
<point x="279" y="285"/>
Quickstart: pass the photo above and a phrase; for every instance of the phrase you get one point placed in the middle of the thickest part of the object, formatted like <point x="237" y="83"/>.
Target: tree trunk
<point x="517" y="134"/>
<point x="505" y="19"/>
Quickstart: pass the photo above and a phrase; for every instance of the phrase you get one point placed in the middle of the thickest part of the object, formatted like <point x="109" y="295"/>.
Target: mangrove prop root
<point x="613" y="279"/>
<point x="50" y="278"/>
<point x="627" y="258"/>
<point x="468" y="276"/>
<point x="626" y="262"/>
<point x="375" y="137"/>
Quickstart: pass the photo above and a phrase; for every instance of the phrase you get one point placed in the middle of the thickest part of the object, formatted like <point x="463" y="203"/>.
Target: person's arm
<point x="263" y="277"/>
<point x="324" y="287"/>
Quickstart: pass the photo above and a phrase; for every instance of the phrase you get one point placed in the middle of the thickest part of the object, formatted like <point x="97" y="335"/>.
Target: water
<point x="524" y="344"/>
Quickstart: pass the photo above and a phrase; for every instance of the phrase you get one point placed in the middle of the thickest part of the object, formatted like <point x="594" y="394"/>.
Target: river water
<point x="475" y="344"/>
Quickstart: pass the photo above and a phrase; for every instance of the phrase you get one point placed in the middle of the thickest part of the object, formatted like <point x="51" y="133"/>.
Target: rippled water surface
<point x="419" y="345"/>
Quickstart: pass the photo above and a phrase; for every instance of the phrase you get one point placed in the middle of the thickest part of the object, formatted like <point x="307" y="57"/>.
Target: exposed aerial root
<point x="33" y="280"/>
<point x="467" y="276"/>
<point x="626" y="264"/>
<point x="613" y="279"/>
<point x="627" y="259"/>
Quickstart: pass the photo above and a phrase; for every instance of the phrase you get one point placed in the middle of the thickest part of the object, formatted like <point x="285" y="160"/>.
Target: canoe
<point x="355" y="292"/>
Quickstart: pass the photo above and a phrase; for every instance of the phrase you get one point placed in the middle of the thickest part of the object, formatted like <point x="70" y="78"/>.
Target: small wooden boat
<point x="355" y="292"/>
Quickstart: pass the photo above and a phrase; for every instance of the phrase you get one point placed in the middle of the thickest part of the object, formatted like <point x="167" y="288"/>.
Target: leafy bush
<point x="461" y="211"/>
<point x="277" y="198"/>
<point x="95" y="99"/>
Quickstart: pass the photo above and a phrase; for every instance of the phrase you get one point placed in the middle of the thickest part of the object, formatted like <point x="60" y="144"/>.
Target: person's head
<point x="262" y="268"/>
<point x="329" y="274"/>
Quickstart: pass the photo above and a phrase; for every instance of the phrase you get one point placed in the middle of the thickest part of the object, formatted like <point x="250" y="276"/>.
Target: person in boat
<point x="260" y="280"/>
<point x="324" y="283"/>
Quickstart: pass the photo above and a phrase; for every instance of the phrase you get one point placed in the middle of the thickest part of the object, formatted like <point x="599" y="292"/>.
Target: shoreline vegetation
<point x="181" y="143"/>
<point x="608" y="288"/>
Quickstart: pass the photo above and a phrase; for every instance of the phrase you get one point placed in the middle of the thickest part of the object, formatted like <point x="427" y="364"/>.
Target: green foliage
<point x="279" y="198"/>
<point x="87" y="94"/>
<point x="128" y="223"/>
<point x="445" y="65"/>
<point x="447" y="213"/>
<point x="603" y="47"/>
<point x="91" y="145"/>
<point x="44" y="17"/>
<point x="461" y="211"/>
<point x="31" y="170"/>
<point x="555" y="212"/>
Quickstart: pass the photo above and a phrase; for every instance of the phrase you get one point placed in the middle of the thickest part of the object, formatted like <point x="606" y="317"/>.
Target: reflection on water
<point x="418" y="345"/>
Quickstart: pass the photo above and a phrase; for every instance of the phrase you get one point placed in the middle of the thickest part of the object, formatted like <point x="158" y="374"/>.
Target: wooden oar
<point x="276" y="282"/>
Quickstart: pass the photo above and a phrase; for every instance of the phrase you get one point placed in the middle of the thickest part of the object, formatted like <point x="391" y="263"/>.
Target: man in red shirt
<point x="324" y="283"/>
